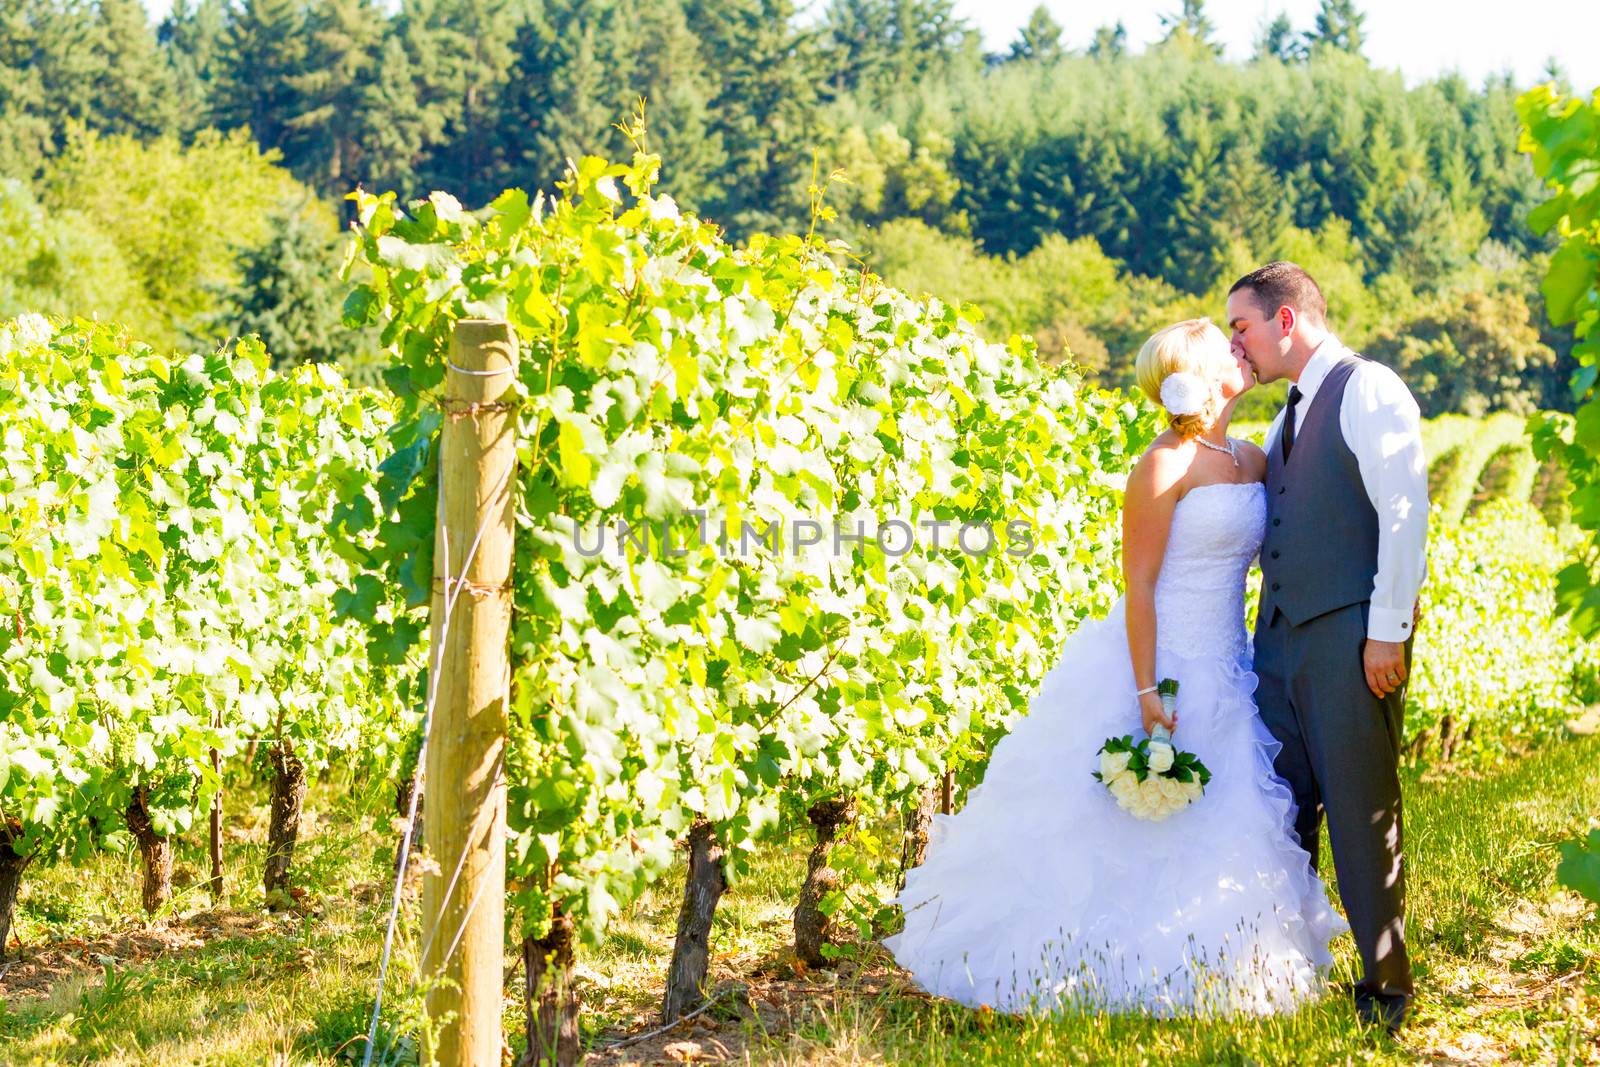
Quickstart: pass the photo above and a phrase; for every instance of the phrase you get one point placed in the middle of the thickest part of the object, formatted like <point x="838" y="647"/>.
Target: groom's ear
<point x="1286" y="318"/>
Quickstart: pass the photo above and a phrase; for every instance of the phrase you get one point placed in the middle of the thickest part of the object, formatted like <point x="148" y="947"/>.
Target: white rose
<point x="1183" y="393"/>
<point x="1193" y="789"/>
<point x="1125" y="787"/>
<point x="1113" y="764"/>
<point x="1160" y="757"/>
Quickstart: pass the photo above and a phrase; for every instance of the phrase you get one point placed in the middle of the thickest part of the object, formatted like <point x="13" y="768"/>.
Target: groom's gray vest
<point x="1321" y="548"/>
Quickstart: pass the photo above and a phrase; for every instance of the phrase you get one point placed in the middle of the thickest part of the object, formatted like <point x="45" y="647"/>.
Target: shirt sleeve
<point x="1383" y="427"/>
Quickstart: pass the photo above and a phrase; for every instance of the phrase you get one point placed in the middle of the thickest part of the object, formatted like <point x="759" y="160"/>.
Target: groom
<point x="1343" y="558"/>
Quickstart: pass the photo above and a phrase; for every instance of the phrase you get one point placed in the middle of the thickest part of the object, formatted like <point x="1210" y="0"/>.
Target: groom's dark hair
<point x="1282" y="283"/>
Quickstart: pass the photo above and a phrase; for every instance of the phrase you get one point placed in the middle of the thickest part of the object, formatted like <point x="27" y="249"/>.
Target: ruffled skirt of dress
<point x="1042" y="894"/>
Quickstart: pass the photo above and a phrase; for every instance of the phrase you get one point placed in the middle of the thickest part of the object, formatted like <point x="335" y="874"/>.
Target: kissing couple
<point x="1042" y="893"/>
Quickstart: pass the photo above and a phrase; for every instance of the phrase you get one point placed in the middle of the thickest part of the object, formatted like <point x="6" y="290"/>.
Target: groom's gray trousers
<point x="1340" y="756"/>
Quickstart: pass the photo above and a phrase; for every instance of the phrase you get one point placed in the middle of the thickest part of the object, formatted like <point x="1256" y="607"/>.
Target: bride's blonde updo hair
<point x="1187" y="347"/>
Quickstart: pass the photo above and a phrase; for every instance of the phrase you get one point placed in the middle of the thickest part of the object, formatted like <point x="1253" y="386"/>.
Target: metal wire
<point x="450" y="598"/>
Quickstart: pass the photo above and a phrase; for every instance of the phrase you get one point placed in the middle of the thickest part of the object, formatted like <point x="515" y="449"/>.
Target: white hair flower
<point x="1183" y="393"/>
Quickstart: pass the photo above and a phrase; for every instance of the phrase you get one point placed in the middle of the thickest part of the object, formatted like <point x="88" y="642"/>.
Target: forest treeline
<point x="189" y="176"/>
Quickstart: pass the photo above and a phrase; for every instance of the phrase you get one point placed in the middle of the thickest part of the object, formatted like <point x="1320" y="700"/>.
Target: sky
<point x="1419" y="37"/>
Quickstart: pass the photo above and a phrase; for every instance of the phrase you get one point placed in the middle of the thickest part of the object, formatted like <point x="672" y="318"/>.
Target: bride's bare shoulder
<point x="1162" y="466"/>
<point x="1253" y="458"/>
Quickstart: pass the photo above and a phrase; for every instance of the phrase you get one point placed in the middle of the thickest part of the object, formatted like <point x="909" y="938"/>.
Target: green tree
<point x="264" y="57"/>
<point x="59" y="263"/>
<point x="1338" y="26"/>
<point x="25" y="130"/>
<point x="193" y="36"/>
<point x="762" y="110"/>
<point x="1039" y="38"/>
<point x="94" y="64"/>
<point x="1110" y="42"/>
<point x="856" y="45"/>
<point x="288" y="291"/>
<point x="1191" y="30"/>
<point x="179" y="215"/>
<point x="334" y="120"/>
<point x="474" y="52"/>
<point x="891" y="178"/>
<point x="672" y="75"/>
<point x="130" y="88"/>
<point x="410" y="100"/>
<point x="1276" y="39"/>
<point x="582" y="67"/>
<point x="1473" y="353"/>
<point x="1419" y="235"/>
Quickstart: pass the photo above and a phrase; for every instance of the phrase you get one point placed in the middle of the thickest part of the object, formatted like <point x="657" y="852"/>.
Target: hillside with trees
<point x="1085" y="197"/>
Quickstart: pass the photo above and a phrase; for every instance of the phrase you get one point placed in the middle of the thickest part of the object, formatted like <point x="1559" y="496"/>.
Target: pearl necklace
<point x="1230" y="451"/>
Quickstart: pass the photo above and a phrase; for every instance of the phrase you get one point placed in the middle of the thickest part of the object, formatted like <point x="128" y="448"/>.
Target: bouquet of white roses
<point x="1150" y="778"/>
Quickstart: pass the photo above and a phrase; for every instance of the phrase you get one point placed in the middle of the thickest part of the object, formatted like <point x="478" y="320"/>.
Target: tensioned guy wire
<point x="452" y="592"/>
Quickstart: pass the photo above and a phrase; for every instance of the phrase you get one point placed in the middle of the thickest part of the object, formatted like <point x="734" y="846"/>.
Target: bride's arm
<point x="1148" y="503"/>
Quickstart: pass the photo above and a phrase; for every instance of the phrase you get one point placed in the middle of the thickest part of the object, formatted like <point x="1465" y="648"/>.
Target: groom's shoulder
<point x="1378" y="377"/>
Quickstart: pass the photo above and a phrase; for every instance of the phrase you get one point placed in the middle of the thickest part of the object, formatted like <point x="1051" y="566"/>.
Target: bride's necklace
<point x="1230" y="451"/>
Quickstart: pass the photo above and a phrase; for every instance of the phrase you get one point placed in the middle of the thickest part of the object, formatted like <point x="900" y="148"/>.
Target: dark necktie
<point x="1288" y="421"/>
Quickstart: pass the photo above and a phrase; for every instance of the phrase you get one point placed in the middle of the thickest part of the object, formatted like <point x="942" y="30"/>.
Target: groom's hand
<point x="1385" y="665"/>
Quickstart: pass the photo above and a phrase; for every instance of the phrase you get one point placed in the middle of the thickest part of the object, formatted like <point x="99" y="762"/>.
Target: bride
<point x="1041" y="892"/>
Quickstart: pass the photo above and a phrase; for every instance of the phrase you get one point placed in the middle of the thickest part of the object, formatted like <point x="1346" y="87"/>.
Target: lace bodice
<point x="1216" y="533"/>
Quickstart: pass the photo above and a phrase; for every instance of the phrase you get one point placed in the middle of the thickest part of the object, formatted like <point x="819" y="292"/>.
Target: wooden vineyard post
<point x="463" y="892"/>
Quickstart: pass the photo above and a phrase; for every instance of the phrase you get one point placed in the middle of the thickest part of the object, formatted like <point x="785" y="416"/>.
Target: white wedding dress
<point x="1042" y="894"/>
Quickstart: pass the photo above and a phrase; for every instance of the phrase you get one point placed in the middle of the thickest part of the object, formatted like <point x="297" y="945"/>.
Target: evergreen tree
<point x="98" y="65"/>
<point x="672" y="76"/>
<point x="1338" y="26"/>
<point x="264" y="57"/>
<point x="1276" y="39"/>
<point x="1191" y="29"/>
<point x="193" y="36"/>
<point x="570" y="79"/>
<point x="763" y="110"/>
<point x="856" y="44"/>
<point x="1110" y="42"/>
<point x="288" y="291"/>
<point x="134" y="88"/>
<point x="1415" y="236"/>
<point x="931" y="40"/>
<point x="882" y="49"/>
<point x="411" y="100"/>
<point x="1039" y="39"/>
<point x="26" y="132"/>
<point x="332" y="127"/>
<point x="473" y="44"/>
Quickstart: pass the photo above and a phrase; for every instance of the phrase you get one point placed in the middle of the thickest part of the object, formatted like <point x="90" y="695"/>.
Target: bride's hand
<point x="1151" y="711"/>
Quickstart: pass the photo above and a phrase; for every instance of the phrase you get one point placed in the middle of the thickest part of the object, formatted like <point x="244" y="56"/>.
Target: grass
<point x="1508" y="965"/>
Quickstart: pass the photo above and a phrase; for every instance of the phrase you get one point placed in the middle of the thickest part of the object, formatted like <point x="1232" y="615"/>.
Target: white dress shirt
<point x="1383" y="427"/>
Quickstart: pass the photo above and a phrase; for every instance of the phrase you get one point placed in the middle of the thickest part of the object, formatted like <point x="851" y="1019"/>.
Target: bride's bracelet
<point x="1148" y="689"/>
